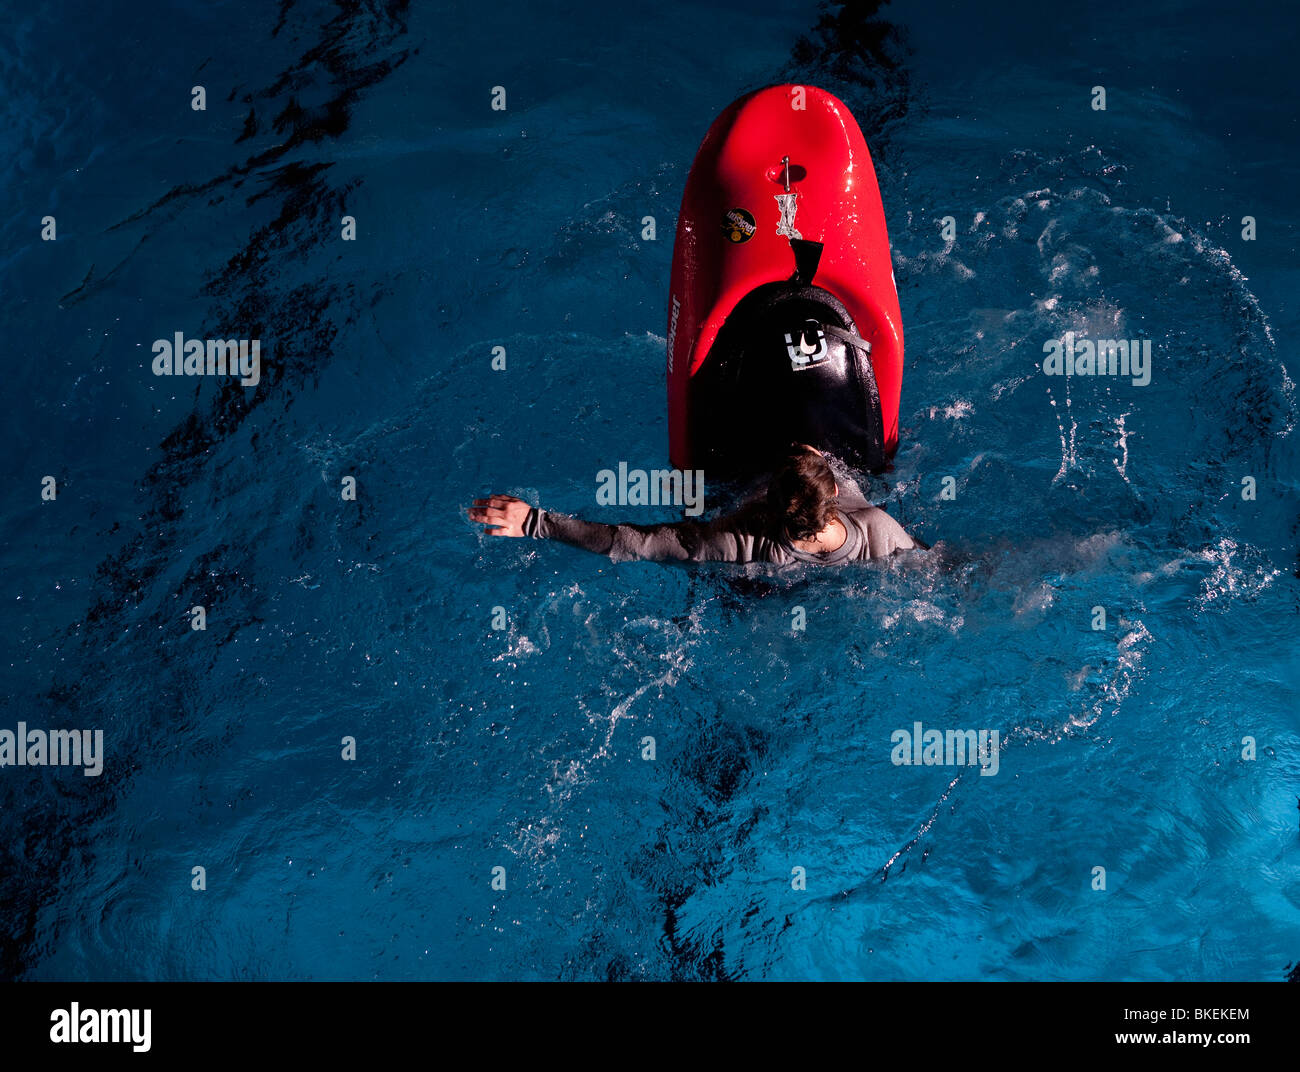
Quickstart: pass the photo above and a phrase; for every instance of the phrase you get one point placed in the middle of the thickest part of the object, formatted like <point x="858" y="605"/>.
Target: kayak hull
<point x="771" y="295"/>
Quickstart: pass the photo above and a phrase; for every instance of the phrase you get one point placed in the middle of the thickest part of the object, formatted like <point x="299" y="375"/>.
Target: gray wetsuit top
<point x="872" y="533"/>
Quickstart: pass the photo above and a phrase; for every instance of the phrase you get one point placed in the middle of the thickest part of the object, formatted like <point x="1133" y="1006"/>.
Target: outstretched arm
<point x="726" y="540"/>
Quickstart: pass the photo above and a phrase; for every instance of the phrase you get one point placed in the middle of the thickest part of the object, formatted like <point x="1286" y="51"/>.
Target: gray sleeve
<point x="884" y="535"/>
<point x="682" y="541"/>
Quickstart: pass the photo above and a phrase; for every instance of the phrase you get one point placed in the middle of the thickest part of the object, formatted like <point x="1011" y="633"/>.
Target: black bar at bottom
<point x="337" y="1020"/>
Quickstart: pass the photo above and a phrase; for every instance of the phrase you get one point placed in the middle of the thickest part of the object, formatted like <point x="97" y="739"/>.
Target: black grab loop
<point x="807" y="255"/>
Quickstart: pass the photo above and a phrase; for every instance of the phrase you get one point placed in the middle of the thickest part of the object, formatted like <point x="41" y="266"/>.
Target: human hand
<point x="504" y="515"/>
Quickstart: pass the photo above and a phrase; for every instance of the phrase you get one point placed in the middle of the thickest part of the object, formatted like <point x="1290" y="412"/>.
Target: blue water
<point x="521" y="748"/>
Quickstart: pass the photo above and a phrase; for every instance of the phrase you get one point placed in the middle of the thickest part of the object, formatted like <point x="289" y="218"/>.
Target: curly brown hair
<point x="801" y="497"/>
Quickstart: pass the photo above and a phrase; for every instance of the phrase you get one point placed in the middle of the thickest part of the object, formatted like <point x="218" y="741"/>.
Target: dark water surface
<point x="1121" y="747"/>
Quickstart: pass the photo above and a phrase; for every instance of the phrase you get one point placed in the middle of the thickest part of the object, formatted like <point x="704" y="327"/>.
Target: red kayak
<point x="783" y="319"/>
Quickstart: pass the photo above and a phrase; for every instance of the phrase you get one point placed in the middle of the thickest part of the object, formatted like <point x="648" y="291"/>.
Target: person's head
<point x="801" y="497"/>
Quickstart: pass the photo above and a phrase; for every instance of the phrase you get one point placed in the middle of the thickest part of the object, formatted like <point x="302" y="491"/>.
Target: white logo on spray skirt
<point x="807" y="348"/>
